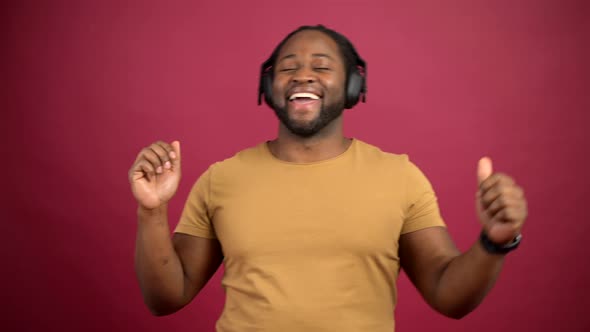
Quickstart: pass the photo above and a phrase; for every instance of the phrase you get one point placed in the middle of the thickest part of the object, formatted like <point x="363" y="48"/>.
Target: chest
<point x="299" y="214"/>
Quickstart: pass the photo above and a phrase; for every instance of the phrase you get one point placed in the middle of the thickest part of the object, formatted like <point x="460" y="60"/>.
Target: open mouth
<point x="303" y="98"/>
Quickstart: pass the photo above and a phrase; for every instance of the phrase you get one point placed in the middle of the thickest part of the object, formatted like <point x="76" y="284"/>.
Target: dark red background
<point x="86" y="84"/>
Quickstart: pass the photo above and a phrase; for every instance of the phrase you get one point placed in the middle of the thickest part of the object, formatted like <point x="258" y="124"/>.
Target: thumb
<point x="176" y="147"/>
<point x="484" y="169"/>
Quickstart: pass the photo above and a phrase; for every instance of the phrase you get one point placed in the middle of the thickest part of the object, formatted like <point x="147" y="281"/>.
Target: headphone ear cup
<point x="267" y="88"/>
<point x="354" y="88"/>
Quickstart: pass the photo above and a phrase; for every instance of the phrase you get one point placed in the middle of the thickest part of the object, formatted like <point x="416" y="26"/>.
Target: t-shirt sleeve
<point x="196" y="217"/>
<point x="421" y="203"/>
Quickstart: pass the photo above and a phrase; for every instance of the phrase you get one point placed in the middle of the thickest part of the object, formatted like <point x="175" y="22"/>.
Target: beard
<point x="306" y="129"/>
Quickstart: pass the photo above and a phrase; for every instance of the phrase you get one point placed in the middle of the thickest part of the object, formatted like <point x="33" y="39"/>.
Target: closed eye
<point x="286" y="69"/>
<point x="322" y="68"/>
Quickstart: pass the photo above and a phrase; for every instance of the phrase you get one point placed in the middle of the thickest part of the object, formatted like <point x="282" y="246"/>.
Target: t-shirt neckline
<point x="343" y="155"/>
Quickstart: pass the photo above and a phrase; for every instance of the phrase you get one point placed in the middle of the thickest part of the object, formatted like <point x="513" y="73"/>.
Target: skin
<point x="318" y="72"/>
<point x="309" y="60"/>
<point x="171" y="271"/>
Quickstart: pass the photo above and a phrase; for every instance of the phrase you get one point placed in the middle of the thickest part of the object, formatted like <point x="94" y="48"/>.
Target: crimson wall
<point x="87" y="84"/>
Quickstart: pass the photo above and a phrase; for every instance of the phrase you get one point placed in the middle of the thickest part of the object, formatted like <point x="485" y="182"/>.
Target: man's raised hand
<point x="155" y="174"/>
<point x="501" y="205"/>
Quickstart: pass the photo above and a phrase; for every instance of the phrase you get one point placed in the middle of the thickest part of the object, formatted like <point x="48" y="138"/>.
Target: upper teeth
<point x="303" y="95"/>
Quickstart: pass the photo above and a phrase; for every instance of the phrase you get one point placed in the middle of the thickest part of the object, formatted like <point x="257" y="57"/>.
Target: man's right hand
<point x="155" y="174"/>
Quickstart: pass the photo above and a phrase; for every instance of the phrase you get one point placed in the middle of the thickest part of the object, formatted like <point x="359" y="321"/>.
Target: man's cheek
<point x="277" y="98"/>
<point x="278" y="102"/>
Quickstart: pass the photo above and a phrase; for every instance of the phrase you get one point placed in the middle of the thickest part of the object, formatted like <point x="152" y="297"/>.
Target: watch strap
<point x="495" y="248"/>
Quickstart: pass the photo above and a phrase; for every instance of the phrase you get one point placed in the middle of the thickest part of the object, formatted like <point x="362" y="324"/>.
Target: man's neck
<point x="328" y="143"/>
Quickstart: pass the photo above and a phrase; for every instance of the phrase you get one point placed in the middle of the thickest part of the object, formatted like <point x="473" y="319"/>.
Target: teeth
<point x="303" y="95"/>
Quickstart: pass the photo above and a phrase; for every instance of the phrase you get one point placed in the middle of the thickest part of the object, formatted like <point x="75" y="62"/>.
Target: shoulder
<point x="240" y="162"/>
<point x="237" y="168"/>
<point x="398" y="165"/>
<point x="375" y="155"/>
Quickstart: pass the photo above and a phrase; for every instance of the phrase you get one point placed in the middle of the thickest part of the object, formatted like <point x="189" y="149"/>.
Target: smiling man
<point x="307" y="104"/>
<point x="313" y="227"/>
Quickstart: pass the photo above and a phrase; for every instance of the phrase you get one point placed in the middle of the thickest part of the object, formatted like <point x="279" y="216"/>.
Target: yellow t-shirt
<point x="310" y="247"/>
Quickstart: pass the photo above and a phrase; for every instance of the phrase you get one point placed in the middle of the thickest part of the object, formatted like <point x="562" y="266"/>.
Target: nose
<point x="304" y="75"/>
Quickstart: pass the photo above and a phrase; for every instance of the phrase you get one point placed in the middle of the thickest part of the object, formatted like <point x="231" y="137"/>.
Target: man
<point x="313" y="227"/>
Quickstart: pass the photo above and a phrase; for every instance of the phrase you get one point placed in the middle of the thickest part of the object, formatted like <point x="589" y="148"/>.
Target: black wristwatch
<point x="494" y="248"/>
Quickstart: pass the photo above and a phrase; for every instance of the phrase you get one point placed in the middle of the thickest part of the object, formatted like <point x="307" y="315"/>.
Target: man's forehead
<point x="319" y="44"/>
<point x="313" y="55"/>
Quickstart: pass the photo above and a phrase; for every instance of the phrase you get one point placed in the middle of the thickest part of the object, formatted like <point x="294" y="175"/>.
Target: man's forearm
<point x="466" y="280"/>
<point x="157" y="265"/>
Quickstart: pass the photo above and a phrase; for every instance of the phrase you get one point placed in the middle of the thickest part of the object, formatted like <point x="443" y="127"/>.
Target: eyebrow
<point x="315" y="55"/>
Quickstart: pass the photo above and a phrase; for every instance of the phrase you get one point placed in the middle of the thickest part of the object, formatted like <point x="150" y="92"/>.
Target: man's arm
<point x="171" y="272"/>
<point x="452" y="283"/>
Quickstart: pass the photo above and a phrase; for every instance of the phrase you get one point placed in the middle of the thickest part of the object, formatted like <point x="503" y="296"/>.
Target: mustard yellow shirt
<point x="310" y="247"/>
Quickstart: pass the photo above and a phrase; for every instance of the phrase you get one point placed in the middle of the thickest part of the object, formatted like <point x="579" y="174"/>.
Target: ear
<point x="354" y="88"/>
<point x="265" y="84"/>
<point x="267" y="87"/>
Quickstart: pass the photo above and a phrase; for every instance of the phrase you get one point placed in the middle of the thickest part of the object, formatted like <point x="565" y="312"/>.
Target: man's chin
<point x="303" y="114"/>
<point x="302" y="125"/>
<point x="302" y="128"/>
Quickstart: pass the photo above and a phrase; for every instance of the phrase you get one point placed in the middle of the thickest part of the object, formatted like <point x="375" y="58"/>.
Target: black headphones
<point x="356" y="83"/>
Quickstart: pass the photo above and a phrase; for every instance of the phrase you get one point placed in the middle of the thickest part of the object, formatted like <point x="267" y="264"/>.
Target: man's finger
<point x="151" y="156"/>
<point x="161" y="153"/>
<point x="484" y="169"/>
<point x="512" y="214"/>
<point x="501" y="187"/>
<point x="175" y="154"/>
<point x="504" y="202"/>
<point x="143" y="169"/>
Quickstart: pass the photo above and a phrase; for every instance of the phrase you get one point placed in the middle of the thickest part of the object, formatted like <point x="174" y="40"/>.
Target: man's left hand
<point x="501" y="205"/>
